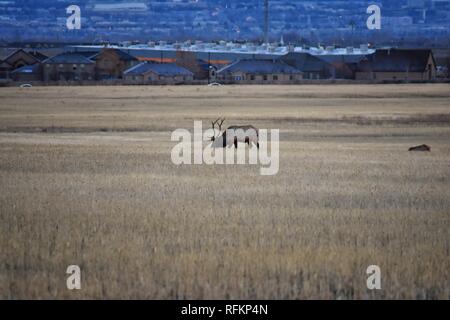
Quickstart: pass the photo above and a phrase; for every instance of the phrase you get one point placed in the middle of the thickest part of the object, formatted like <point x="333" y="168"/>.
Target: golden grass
<point x="86" y="178"/>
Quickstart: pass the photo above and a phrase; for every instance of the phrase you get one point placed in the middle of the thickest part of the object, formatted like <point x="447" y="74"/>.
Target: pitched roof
<point x="4" y="64"/>
<point x="122" y="55"/>
<point x="125" y="56"/>
<point x="263" y="66"/>
<point x="305" y="62"/>
<point x="67" y="58"/>
<point x="342" y="58"/>
<point x="396" y="60"/>
<point x="24" y="52"/>
<point x="87" y="54"/>
<point x="11" y="53"/>
<point x="163" y="69"/>
<point x="38" y="55"/>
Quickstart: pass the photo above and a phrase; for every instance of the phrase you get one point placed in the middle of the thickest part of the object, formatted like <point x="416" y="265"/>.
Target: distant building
<point x="18" y="59"/>
<point x="5" y="70"/>
<point x="189" y="61"/>
<point x="398" y="64"/>
<point x="343" y="66"/>
<point x="68" y="67"/>
<point x="168" y="73"/>
<point x="259" y="71"/>
<point x="311" y="66"/>
<point x="112" y="63"/>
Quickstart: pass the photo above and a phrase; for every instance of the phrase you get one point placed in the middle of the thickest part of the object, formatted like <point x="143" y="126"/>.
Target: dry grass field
<point x="86" y="178"/>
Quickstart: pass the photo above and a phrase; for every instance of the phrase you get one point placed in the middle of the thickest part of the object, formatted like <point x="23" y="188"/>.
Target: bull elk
<point x="234" y="134"/>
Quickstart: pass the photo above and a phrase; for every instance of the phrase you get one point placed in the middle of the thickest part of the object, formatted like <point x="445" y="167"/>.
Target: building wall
<point x="28" y="77"/>
<point x="68" y="72"/>
<point x="134" y="78"/>
<point x="393" y="76"/>
<point x="108" y="65"/>
<point x="311" y="75"/>
<point x="325" y="73"/>
<point x="427" y="75"/>
<point x="153" y="77"/>
<point x="5" y="71"/>
<point x="341" y="70"/>
<point x="24" y="77"/>
<point x="188" y="60"/>
<point x="240" y="77"/>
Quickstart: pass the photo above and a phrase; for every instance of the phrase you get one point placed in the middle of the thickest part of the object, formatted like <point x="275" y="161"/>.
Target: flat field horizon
<point x="86" y="179"/>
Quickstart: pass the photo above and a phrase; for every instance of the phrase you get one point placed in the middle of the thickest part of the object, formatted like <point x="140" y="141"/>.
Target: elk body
<point x="232" y="135"/>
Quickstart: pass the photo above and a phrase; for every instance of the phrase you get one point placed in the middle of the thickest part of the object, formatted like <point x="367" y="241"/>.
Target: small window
<point x="275" y="78"/>
<point x="61" y="65"/>
<point x="252" y="77"/>
<point x="47" y="65"/>
<point x="291" y="77"/>
<point x="265" y="77"/>
<point x="82" y="65"/>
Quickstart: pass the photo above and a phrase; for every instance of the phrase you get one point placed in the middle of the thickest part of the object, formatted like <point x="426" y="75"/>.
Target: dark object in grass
<point x="422" y="147"/>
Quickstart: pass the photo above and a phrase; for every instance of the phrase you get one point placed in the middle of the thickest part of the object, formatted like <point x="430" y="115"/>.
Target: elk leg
<point x="257" y="145"/>
<point x="247" y="140"/>
<point x="235" y="142"/>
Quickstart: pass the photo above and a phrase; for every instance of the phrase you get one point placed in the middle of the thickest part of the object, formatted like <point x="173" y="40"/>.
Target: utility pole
<point x="209" y="67"/>
<point x="266" y="21"/>
<point x="352" y="25"/>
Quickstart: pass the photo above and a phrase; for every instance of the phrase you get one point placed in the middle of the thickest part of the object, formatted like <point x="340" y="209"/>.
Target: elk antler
<point x="220" y="124"/>
<point x="214" y="126"/>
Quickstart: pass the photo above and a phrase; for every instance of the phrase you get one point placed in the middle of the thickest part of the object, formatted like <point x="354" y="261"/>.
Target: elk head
<point x="219" y="125"/>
